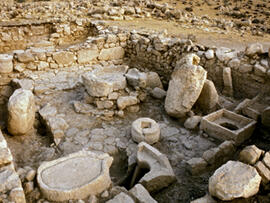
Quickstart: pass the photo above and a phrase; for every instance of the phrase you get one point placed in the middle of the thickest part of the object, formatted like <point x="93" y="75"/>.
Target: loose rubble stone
<point x="263" y="171"/>
<point x="266" y="159"/>
<point x="6" y="64"/>
<point x="158" y="93"/>
<point x="136" y="78"/>
<point x="141" y="194"/>
<point x="87" y="55"/>
<point x="125" y="101"/>
<point x="196" y="166"/>
<point x="208" y="98"/>
<point x="21" y="108"/>
<point x="192" y="122"/>
<point x="64" y="58"/>
<point x="205" y="199"/>
<point x="5" y="154"/>
<point x="17" y="195"/>
<point x="111" y="54"/>
<point x="266" y="117"/>
<point x="121" y="198"/>
<point x="25" y="57"/>
<point x="234" y="180"/>
<point x="59" y="180"/>
<point x="185" y="86"/>
<point x="153" y="80"/>
<point x="101" y="82"/>
<point x="225" y="54"/>
<point x="253" y="49"/>
<point x="250" y="154"/>
<point x="145" y="130"/>
<point x="160" y="174"/>
<point x="227" y="81"/>
<point x="209" y="54"/>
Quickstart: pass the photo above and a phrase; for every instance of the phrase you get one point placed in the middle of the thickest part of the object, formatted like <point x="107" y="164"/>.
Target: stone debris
<point x="161" y="174"/>
<point x="196" y="166"/>
<point x="59" y="179"/>
<point x="185" y="86"/>
<point x="141" y="194"/>
<point x="145" y="130"/>
<point x="192" y="122"/>
<point x="121" y="198"/>
<point x="6" y="63"/>
<point x="205" y="199"/>
<point x="126" y="101"/>
<point x="263" y="171"/>
<point x="158" y="93"/>
<point x="21" y="112"/>
<point x="136" y="78"/>
<point x="234" y="180"/>
<point x="266" y="117"/>
<point x="227" y="81"/>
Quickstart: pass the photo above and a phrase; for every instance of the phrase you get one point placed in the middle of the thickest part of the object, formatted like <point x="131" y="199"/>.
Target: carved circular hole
<point x="229" y="126"/>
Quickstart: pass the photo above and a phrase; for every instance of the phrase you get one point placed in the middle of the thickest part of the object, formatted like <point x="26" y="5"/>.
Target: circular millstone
<point x="75" y="176"/>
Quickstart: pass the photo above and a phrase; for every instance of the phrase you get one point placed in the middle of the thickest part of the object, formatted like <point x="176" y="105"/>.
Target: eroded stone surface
<point x="141" y="194"/>
<point x="75" y="176"/>
<point x="234" y="180"/>
<point x="185" y="86"/>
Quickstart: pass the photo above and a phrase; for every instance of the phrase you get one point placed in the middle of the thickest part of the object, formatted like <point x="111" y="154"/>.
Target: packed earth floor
<point x="135" y="101"/>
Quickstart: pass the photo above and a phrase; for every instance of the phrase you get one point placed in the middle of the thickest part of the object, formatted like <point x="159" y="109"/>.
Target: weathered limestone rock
<point x="205" y="199"/>
<point x="160" y="174"/>
<point x="5" y="154"/>
<point x="153" y="80"/>
<point x="158" y="93"/>
<point x="225" y="54"/>
<point x="227" y="81"/>
<point x="263" y="171"/>
<point x="64" y="58"/>
<point x="266" y="159"/>
<point x="111" y="54"/>
<point x="253" y="49"/>
<point x="141" y="194"/>
<point x="103" y="81"/>
<point x="26" y="84"/>
<point x="25" y="57"/>
<point x="208" y="98"/>
<point x="209" y="54"/>
<point x="125" y="101"/>
<point x="250" y="154"/>
<point x="6" y="64"/>
<point x="234" y="180"/>
<point x="196" y="166"/>
<point x="21" y="112"/>
<point x="192" y="122"/>
<point x="121" y="198"/>
<point x="136" y="78"/>
<point x="185" y="86"/>
<point x="266" y="117"/>
<point x="87" y="55"/>
<point x="75" y="176"/>
<point x="145" y="130"/>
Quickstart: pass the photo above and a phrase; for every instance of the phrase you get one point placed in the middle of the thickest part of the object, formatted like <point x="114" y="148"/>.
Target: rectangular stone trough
<point x="227" y="125"/>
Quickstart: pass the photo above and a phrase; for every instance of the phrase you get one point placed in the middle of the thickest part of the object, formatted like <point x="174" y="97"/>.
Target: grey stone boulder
<point x="103" y="81"/>
<point x="234" y="180"/>
<point x="145" y="130"/>
<point x="161" y="174"/>
<point x="75" y="176"/>
<point x="153" y="80"/>
<point x="111" y="54"/>
<point x="21" y="112"/>
<point x="185" y="86"/>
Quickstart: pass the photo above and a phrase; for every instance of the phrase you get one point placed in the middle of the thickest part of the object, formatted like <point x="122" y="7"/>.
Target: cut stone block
<point x="141" y="194"/>
<point x="121" y="198"/>
<point x="75" y="176"/>
<point x="87" y="55"/>
<point x="263" y="171"/>
<point x="6" y="64"/>
<point x="234" y="180"/>
<point x="266" y="117"/>
<point x="250" y="154"/>
<point x="125" y="101"/>
<point x="196" y="166"/>
<point x="64" y="58"/>
<point x="145" y="130"/>
<point x="185" y="86"/>
<point x="103" y="81"/>
<point x="160" y="174"/>
<point x="227" y="125"/>
<point x="266" y="159"/>
<point x="111" y="54"/>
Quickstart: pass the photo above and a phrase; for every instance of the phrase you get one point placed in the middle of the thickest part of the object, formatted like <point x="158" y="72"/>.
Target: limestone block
<point x="141" y="194"/>
<point x="25" y="57"/>
<point x="153" y="80"/>
<point x="125" y="101"/>
<point x="266" y="117"/>
<point x="21" y="112"/>
<point x="234" y="180"/>
<point x="185" y="86"/>
<point x="160" y="174"/>
<point x="75" y="176"/>
<point x="135" y="78"/>
<point x="196" y="166"/>
<point x="158" y="93"/>
<point x="6" y="64"/>
<point x="266" y="159"/>
<point x="250" y="154"/>
<point x="263" y="171"/>
<point x="192" y="122"/>
<point x="111" y="54"/>
<point x="205" y="199"/>
<point x="225" y="54"/>
<point x="145" y="130"/>
<point x="121" y="198"/>
<point x="64" y="58"/>
<point x="208" y="98"/>
<point x="259" y="70"/>
<point x="209" y="54"/>
<point x="87" y="55"/>
<point x="253" y="49"/>
<point x="227" y="81"/>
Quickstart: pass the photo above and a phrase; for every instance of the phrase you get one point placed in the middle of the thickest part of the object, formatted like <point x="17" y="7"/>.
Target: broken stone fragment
<point x="121" y="198"/>
<point x="64" y="58"/>
<point x="153" y="80"/>
<point x="185" y="86"/>
<point x="234" y="180"/>
<point x="71" y="178"/>
<point x="253" y="49"/>
<point x="196" y="166"/>
<point x="6" y="64"/>
<point x="103" y="81"/>
<point x="250" y="154"/>
<point x="145" y="130"/>
<point x="25" y="57"/>
<point x="125" y="101"/>
<point x="208" y="98"/>
<point x="161" y="174"/>
<point x="135" y="78"/>
<point x="263" y="171"/>
<point x="141" y="194"/>
<point x="21" y="112"/>
<point x="192" y="122"/>
<point x="227" y="82"/>
<point x="266" y="159"/>
<point x="5" y="154"/>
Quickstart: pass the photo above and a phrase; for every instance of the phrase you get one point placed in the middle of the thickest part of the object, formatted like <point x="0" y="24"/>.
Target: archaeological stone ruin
<point x="134" y="101"/>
